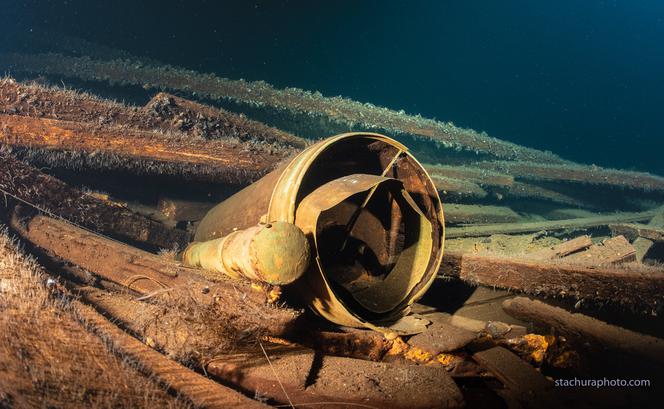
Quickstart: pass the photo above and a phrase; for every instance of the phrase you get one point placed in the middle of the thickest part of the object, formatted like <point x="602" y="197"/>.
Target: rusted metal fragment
<point x="310" y="378"/>
<point x="151" y="275"/>
<point x="636" y="287"/>
<point x="479" y="214"/>
<point x="524" y="383"/>
<point x="27" y="184"/>
<point x="85" y="145"/>
<point x="611" y="251"/>
<point x="549" y="225"/>
<point x="563" y="249"/>
<point x="201" y="391"/>
<point x="304" y="104"/>
<point x="354" y="343"/>
<point x="275" y="253"/>
<point x="441" y="337"/>
<point x="585" y="329"/>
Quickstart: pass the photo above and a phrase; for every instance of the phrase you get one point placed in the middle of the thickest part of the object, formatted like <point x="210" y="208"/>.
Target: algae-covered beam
<point x="167" y="113"/>
<point x="457" y="188"/>
<point x="480" y="176"/>
<point x="549" y="225"/>
<point x="260" y="94"/>
<point x="85" y="145"/>
<point x="46" y="193"/>
<point x="570" y="172"/>
<point x="479" y="214"/>
<point x="635" y="287"/>
<point x="198" y="389"/>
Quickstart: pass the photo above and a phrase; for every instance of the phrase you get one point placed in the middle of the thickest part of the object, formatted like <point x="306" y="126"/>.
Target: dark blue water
<point x="584" y="79"/>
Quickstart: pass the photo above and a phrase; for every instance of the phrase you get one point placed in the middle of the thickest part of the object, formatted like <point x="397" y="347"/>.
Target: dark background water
<point x="584" y="79"/>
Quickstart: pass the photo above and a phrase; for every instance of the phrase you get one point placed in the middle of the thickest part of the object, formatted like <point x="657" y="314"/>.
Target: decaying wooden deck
<point x="94" y="188"/>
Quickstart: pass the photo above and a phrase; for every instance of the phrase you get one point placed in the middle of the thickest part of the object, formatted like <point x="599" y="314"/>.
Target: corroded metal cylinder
<point x="274" y="253"/>
<point x="373" y="219"/>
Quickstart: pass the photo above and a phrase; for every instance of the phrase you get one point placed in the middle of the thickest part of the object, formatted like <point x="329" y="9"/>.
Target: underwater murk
<point x="236" y="204"/>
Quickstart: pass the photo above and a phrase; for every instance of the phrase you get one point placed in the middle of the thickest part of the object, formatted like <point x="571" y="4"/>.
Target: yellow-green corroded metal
<point x="274" y="253"/>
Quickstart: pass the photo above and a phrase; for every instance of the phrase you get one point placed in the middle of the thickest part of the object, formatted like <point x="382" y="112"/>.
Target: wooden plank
<point x="51" y="195"/>
<point x="644" y="245"/>
<point x="309" y="378"/>
<point x="563" y="249"/>
<point x="550" y="225"/>
<point x="586" y="329"/>
<point x="200" y="390"/>
<point x="611" y="251"/>
<point x="86" y="145"/>
<point x="633" y="231"/>
<point x="524" y="382"/>
<point x="166" y="113"/>
<point x="149" y="274"/>
<point x="457" y="188"/>
<point x="638" y="287"/>
<point x="459" y="213"/>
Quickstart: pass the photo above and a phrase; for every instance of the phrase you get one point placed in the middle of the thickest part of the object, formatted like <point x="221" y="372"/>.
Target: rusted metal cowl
<point x="373" y="220"/>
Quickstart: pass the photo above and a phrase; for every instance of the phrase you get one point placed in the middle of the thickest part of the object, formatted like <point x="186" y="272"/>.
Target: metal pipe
<point x="274" y="253"/>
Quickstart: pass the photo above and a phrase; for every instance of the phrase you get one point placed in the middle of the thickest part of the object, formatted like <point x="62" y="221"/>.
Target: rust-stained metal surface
<point x="274" y="253"/>
<point x="392" y="213"/>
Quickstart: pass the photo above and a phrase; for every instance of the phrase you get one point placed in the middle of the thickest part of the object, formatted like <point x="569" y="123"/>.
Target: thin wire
<point x="49" y="213"/>
<point x="290" y="402"/>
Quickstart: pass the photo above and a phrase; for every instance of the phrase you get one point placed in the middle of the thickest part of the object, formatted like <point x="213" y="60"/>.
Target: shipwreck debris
<point x="586" y="329"/>
<point x="639" y="288"/>
<point x="372" y="217"/>
<point x="152" y="275"/>
<point x="28" y="185"/>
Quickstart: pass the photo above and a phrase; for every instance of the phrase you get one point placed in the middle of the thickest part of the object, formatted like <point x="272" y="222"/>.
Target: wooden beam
<point x="166" y="113"/>
<point x="563" y="249"/>
<point x="549" y="225"/>
<point x="634" y="231"/>
<point x="149" y="274"/>
<point x="584" y="329"/>
<point x="198" y="389"/>
<point x="460" y="213"/>
<point x="572" y="172"/>
<point x="304" y="105"/>
<point x="46" y="193"/>
<point x="610" y="251"/>
<point x="636" y="287"/>
<point x="85" y="145"/>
